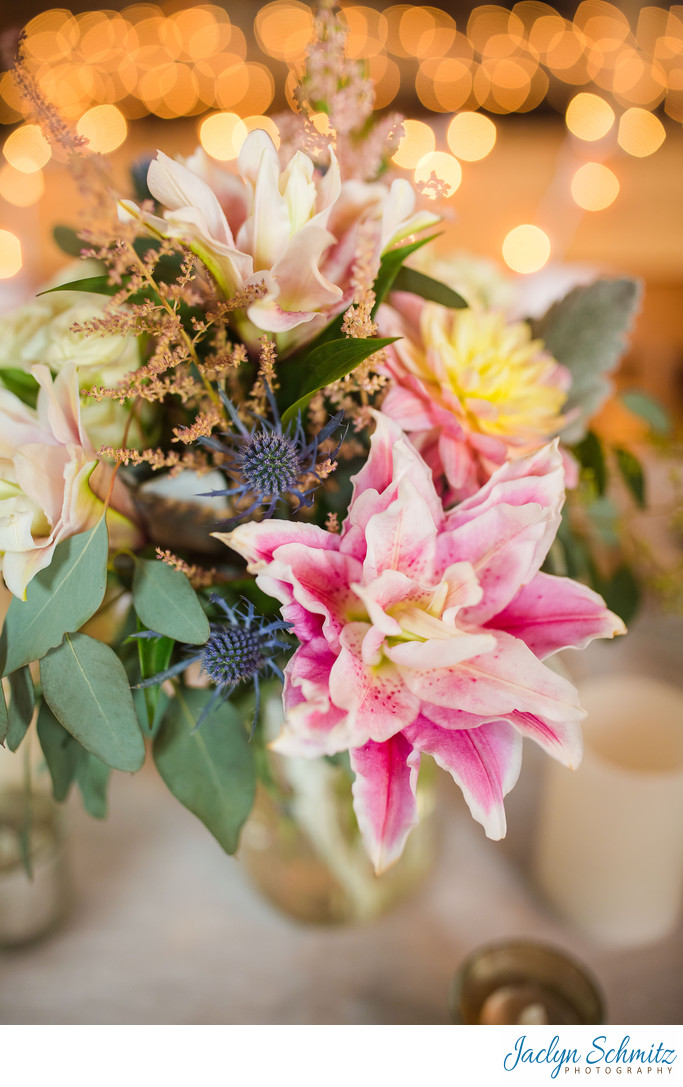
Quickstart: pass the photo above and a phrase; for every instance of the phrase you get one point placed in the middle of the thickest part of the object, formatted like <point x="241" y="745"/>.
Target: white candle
<point x="610" y="842"/>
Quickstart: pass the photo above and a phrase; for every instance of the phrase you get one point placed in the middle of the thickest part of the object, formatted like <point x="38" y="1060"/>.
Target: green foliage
<point x="591" y="456"/>
<point x="67" y="762"/>
<point x="92" y="778"/>
<point x="390" y="266"/>
<point x="69" y="241"/>
<point x="22" y="702"/>
<point x="649" y="409"/>
<point x="210" y="770"/>
<point x="62" y="753"/>
<point x="4" y="717"/>
<point x="586" y="332"/>
<point x="22" y="384"/>
<point x="167" y="604"/>
<point x="620" y="592"/>
<point x="414" y="282"/>
<point x="154" y="655"/>
<point x="89" y="285"/>
<point x="59" y="599"/>
<point x="632" y="474"/>
<point x="85" y="686"/>
<point x="327" y="364"/>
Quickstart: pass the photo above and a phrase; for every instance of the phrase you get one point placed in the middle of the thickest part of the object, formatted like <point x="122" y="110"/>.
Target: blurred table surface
<point x="166" y="929"/>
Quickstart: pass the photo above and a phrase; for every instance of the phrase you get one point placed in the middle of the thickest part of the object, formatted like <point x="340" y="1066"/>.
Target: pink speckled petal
<point x="384" y="797"/>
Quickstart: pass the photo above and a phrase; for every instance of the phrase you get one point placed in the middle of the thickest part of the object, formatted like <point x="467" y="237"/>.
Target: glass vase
<point x="302" y="847"/>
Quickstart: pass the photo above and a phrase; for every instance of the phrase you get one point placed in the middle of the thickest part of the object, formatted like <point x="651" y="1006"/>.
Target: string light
<point x="594" y="186"/>
<point x="526" y="249"/>
<point x="11" y="258"/>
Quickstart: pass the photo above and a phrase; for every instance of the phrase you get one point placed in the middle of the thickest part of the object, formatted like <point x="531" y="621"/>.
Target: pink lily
<point x="423" y="632"/>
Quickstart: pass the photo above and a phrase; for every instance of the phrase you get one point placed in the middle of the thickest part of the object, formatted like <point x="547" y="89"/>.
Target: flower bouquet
<point x="253" y="442"/>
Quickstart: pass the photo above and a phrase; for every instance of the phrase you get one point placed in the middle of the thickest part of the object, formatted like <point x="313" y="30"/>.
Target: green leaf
<point x="632" y="474"/>
<point x="4" y="717"/>
<point x="586" y="331"/>
<point x="621" y="593"/>
<point x="58" y="599"/>
<point x="69" y="241"/>
<point x="154" y="655"/>
<point x="327" y="364"/>
<point x="22" y="703"/>
<point x="649" y="409"/>
<point x="92" y="778"/>
<point x="167" y="604"/>
<point x="591" y="457"/>
<point x="414" y="282"/>
<point x="390" y="265"/>
<point x="91" y="285"/>
<point x="21" y="384"/>
<point x="210" y="770"/>
<point x="85" y="686"/>
<point x="62" y="753"/>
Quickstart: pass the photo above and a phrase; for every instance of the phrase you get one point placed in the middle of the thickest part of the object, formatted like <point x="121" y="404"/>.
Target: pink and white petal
<point x="321" y="583"/>
<point x="379" y="595"/>
<point x="485" y="762"/>
<point x="313" y="725"/>
<point x="59" y="405"/>
<point x="505" y="545"/>
<point x="402" y="537"/>
<point x="408" y="409"/>
<point x="376" y="697"/>
<point x="562" y="740"/>
<point x="553" y="613"/>
<point x="534" y="479"/>
<point x="440" y="652"/>
<point x="509" y="678"/>
<point x="384" y="801"/>
<point x="378" y="471"/>
<point x="256" y="541"/>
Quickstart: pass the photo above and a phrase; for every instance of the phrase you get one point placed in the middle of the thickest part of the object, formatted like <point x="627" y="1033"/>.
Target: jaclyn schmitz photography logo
<point x="602" y="1057"/>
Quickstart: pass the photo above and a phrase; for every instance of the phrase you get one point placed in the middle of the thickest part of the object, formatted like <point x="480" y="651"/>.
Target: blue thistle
<point x="235" y="653"/>
<point x="269" y="462"/>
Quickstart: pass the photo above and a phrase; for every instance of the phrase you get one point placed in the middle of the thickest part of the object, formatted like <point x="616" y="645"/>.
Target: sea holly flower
<point x="423" y="631"/>
<point x="238" y="651"/>
<point x="471" y="388"/>
<point x="293" y="228"/>
<point x="268" y="462"/>
<point x="51" y="483"/>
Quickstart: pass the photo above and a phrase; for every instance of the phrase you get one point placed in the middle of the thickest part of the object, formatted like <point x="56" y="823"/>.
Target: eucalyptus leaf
<point x="60" y="598"/>
<point x="4" y="717"/>
<point x="85" y="686"/>
<point x="92" y="778"/>
<point x="22" y="703"/>
<point x="632" y="474"/>
<point x="649" y="409"/>
<point x="62" y="753"/>
<point x="415" y="282"/>
<point x="210" y="770"/>
<point x="586" y="331"/>
<point x="327" y="364"/>
<point x="167" y="604"/>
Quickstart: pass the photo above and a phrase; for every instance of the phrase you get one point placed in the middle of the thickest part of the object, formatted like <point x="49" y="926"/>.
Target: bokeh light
<point x="104" y="127"/>
<point x="640" y="132"/>
<point x="27" y="149"/>
<point x="21" y="189"/>
<point x="442" y="167"/>
<point x="418" y="140"/>
<point x="10" y="254"/>
<point x="222" y="134"/>
<point x="526" y="248"/>
<point x="594" y="186"/>
<point x="589" y="117"/>
<point x="471" y="136"/>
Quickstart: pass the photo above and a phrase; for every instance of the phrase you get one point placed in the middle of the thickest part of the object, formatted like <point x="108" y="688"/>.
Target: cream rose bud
<point x="42" y="332"/>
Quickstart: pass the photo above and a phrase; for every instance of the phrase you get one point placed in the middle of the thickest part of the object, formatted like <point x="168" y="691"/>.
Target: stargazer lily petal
<point x="422" y="631"/>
